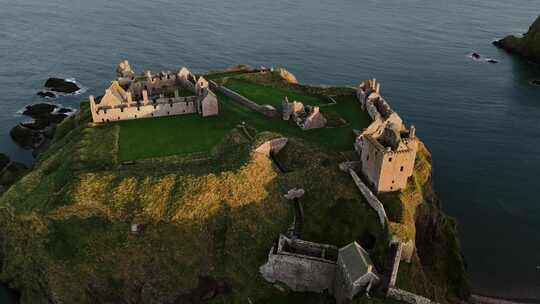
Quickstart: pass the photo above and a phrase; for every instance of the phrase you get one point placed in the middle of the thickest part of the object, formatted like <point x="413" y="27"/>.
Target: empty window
<point x="401" y="169"/>
<point x="367" y="158"/>
<point x="393" y="182"/>
<point x="103" y="120"/>
<point x="389" y="159"/>
<point x="391" y="188"/>
<point x="168" y="113"/>
<point x="135" y="116"/>
<point x="118" y="117"/>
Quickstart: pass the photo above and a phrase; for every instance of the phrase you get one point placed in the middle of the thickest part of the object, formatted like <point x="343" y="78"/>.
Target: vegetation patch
<point x="162" y="136"/>
<point x="267" y="94"/>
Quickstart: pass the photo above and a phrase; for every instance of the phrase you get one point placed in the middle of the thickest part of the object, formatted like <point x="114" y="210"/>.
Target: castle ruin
<point x="386" y="147"/>
<point x="307" y="266"/>
<point x="306" y="117"/>
<point x="149" y="95"/>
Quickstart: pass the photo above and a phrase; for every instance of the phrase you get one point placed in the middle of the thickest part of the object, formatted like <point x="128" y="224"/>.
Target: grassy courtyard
<point x="153" y="137"/>
<point x="266" y="94"/>
<point x="184" y="134"/>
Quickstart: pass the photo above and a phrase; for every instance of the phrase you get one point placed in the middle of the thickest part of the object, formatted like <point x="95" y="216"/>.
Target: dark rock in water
<point x="64" y="110"/>
<point x="492" y="61"/>
<point x="61" y="85"/>
<point x="4" y="161"/>
<point x="26" y="137"/>
<point x="40" y="109"/>
<point x="46" y="94"/>
<point x="12" y="173"/>
<point x="475" y="55"/>
<point x="535" y="82"/>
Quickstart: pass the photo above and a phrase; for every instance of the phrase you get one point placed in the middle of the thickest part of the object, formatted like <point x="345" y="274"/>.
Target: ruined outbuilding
<point x="311" y="267"/>
<point x="149" y="95"/>
<point x="387" y="147"/>
<point x="306" y="117"/>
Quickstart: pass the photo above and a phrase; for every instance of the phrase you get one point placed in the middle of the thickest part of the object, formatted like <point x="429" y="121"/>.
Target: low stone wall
<point x="396" y="248"/>
<point x="372" y="200"/>
<point x="408" y="297"/>
<point x="243" y="100"/>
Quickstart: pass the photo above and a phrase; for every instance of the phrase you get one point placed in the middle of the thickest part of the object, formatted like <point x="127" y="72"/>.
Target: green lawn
<point x="219" y="75"/>
<point x="152" y="137"/>
<point x="266" y="94"/>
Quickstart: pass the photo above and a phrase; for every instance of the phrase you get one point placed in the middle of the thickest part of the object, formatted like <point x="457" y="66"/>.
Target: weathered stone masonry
<point x="387" y="148"/>
<point x="165" y="94"/>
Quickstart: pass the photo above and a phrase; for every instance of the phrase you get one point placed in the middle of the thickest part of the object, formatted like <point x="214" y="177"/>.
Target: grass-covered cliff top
<point x="527" y="46"/>
<point x="207" y="207"/>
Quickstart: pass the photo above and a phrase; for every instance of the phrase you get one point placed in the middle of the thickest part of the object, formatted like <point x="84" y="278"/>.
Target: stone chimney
<point x="145" y="96"/>
<point x="412" y="132"/>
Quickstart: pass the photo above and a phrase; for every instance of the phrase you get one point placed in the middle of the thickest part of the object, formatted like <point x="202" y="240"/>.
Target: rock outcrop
<point x="10" y="172"/>
<point x="124" y="70"/>
<point x="527" y="47"/>
<point x="61" y="86"/>
<point x="287" y="76"/>
<point x="37" y="134"/>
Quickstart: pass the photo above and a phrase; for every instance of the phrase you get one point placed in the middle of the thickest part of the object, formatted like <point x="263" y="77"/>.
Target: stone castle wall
<point x="182" y="105"/>
<point x="386" y="167"/>
<point x="372" y="200"/>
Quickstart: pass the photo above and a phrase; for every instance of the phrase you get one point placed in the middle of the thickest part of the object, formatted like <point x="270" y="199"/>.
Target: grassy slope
<point x="266" y="94"/>
<point x="213" y="215"/>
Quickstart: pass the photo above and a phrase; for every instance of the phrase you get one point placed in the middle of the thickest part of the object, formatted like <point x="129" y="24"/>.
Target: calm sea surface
<point x="481" y="121"/>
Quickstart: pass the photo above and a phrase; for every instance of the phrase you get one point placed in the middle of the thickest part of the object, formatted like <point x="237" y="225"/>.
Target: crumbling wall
<point x="134" y="112"/>
<point x="408" y="297"/>
<point x="300" y="273"/>
<point x="372" y="200"/>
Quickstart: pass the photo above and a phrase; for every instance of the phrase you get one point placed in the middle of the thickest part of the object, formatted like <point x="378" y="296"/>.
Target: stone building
<point x="149" y="95"/>
<point x="355" y="273"/>
<point x="306" y="117"/>
<point x="386" y="147"/>
<point x="311" y="267"/>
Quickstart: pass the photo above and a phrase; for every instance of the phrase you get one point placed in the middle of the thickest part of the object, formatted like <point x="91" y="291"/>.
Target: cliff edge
<point x="527" y="47"/>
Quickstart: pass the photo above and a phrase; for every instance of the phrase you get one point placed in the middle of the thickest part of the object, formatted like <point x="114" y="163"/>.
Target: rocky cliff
<point x="527" y="47"/>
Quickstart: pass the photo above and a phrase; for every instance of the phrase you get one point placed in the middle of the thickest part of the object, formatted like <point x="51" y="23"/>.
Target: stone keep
<point x="387" y="148"/>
